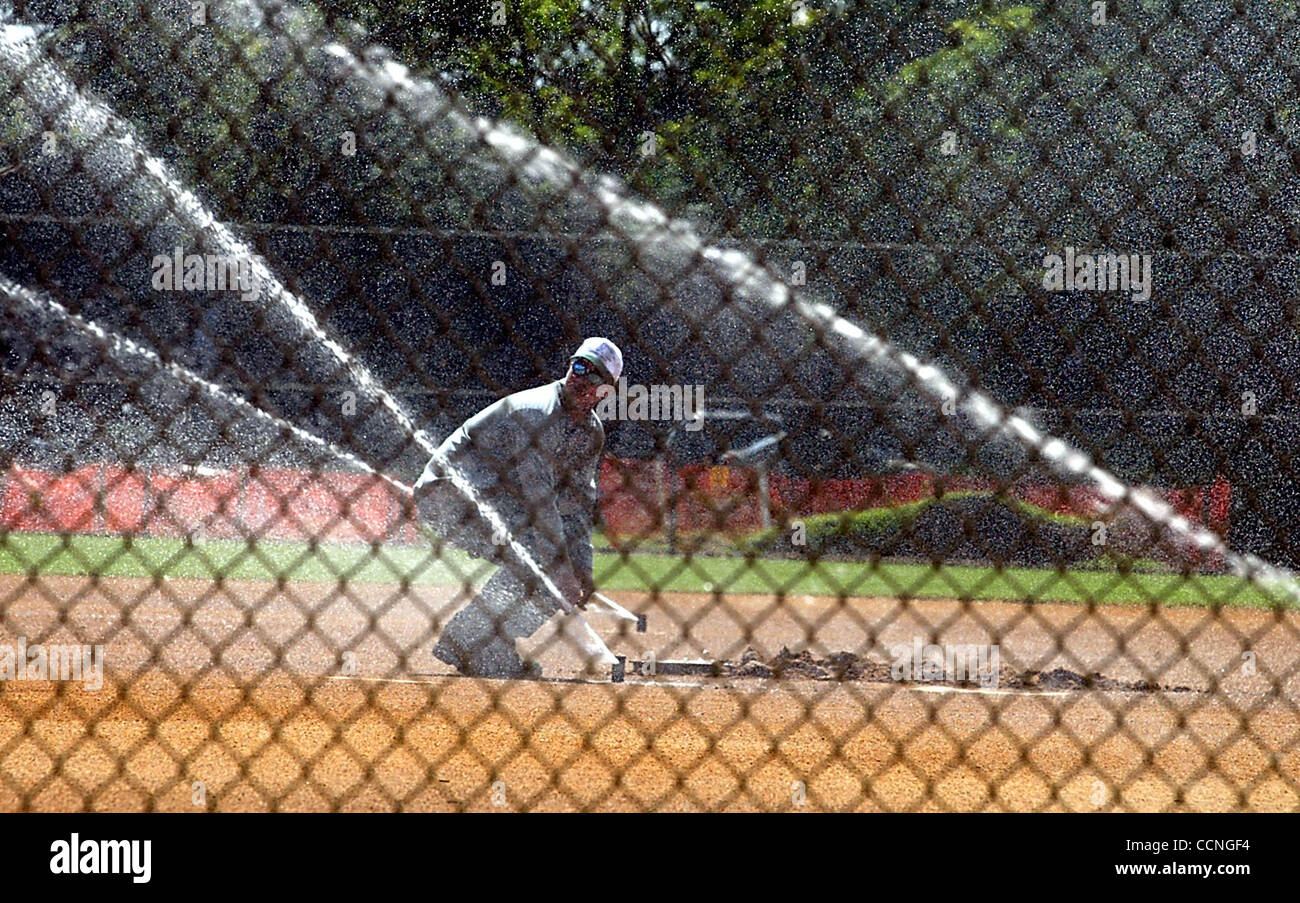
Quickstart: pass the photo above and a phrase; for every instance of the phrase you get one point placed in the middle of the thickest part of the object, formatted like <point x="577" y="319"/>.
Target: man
<point x="534" y="458"/>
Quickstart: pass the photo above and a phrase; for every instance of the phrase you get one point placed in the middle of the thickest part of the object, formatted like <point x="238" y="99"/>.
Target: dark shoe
<point x="521" y="671"/>
<point x="501" y="666"/>
<point x="447" y="654"/>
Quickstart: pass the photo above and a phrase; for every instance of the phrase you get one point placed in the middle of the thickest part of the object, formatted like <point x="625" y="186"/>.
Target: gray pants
<point x="479" y="640"/>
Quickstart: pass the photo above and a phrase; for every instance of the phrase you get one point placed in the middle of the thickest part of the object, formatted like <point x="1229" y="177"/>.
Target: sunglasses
<point x="588" y="372"/>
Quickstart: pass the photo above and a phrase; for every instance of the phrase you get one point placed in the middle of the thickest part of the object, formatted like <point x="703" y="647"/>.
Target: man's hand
<point x="588" y="586"/>
<point x="573" y="588"/>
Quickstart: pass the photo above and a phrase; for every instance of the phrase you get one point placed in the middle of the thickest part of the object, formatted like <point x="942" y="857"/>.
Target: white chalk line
<point x="434" y="678"/>
<point x="761" y="684"/>
<point x="983" y="691"/>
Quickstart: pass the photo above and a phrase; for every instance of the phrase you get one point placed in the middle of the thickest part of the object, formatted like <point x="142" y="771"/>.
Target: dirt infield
<point x="246" y="688"/>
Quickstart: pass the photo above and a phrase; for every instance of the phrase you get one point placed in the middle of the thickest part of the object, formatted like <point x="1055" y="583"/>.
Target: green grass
<point x="115" y="556"/>
<point x="112" y="556"/>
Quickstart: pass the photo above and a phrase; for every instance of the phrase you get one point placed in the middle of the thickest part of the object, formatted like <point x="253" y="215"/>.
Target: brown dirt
<point x="243" y="687"/>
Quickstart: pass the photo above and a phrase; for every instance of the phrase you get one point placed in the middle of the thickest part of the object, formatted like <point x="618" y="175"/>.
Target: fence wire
<point x="649" y="405"/>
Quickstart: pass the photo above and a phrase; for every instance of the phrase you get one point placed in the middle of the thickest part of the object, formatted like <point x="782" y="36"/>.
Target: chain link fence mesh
<point x="950" y="468"/>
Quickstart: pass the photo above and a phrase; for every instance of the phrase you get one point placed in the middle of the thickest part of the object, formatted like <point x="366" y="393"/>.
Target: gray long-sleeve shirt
<point x="537" y="465"/>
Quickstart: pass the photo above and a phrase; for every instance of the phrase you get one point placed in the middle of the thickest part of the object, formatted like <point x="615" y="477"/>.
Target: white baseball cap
<point x="604" y="354"/>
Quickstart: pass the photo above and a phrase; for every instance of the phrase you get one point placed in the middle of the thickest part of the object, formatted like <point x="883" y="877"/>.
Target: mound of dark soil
<point x="1065" y="679"/>
<point x="847" y="666"/>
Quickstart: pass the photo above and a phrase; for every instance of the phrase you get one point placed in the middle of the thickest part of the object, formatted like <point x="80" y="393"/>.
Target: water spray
<point x="126" y="350"/>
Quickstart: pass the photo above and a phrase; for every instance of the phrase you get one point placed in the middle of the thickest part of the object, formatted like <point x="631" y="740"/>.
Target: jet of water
<point x="127" y="351"/>
<point x="110" y="145"/>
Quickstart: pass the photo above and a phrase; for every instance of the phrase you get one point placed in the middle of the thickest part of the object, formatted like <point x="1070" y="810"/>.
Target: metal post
<point x="670" y="494"/>
<point x="660" y="468"/>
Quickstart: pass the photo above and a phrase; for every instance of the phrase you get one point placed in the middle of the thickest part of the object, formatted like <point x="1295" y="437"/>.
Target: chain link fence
<point x="949" y="467"/>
